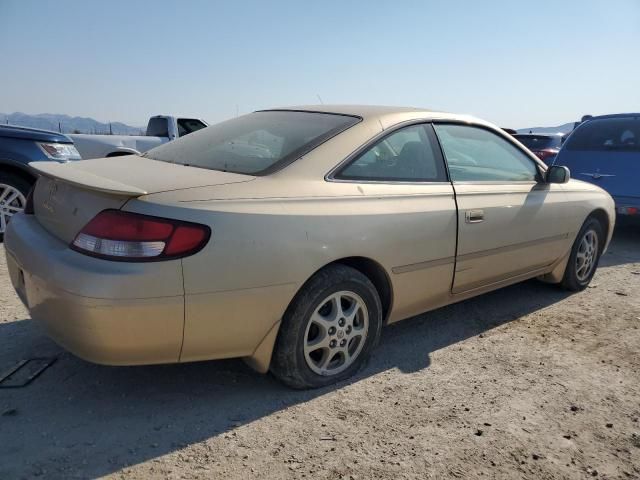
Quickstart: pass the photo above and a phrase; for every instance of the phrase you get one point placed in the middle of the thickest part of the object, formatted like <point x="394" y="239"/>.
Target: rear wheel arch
<point x="22" y="173"/>
<point x="376" y="274"/>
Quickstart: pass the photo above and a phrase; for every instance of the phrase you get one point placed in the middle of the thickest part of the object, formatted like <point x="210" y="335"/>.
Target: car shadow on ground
<point x="84" y="420"/>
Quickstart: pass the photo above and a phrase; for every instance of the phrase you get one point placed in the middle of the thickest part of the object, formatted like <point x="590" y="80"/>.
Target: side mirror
<point x="558" y="174"/>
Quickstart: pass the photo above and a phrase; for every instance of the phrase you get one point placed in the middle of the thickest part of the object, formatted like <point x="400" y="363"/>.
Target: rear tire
<point x="13" y="197"/>
<point x="329" y="329"/>
<point x="584" y="257"/>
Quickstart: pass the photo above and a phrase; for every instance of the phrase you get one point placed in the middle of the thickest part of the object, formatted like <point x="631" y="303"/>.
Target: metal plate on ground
<point x="25" y="371"/>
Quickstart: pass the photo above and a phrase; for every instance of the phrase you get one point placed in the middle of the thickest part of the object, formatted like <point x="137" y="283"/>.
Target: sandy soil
<point x="528" y="382"/>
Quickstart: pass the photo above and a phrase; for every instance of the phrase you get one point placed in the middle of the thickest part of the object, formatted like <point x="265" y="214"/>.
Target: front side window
<point x="408" y="154"/>
<point x="606" y="134"/>
<point x="254" y="144"/>
<point x="477" y="155"/>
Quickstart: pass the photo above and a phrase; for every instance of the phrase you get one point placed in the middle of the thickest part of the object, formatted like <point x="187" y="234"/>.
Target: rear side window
<point x="478" y="155"/>
<point x="157" y="127"/>
<point x="254" y="144"/>
<point x="606" y="134"/>
<point x="189" y="125"/>
<point x="408" y="154"/>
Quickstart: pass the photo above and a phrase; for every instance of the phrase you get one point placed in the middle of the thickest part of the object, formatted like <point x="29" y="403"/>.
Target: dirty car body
<point x="397" y="198"/>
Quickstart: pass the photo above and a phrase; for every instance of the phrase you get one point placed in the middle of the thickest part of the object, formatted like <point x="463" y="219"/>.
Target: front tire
<point x="329" y="330"/>
<point x="584" y="257"/>
<point x="13" y="198"/>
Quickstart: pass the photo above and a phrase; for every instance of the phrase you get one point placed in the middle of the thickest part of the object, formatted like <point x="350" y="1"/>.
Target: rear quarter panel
<point x="263" y="250"/>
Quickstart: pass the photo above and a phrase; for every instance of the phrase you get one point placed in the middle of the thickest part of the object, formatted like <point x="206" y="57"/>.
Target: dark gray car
<point x="18" y="147"/>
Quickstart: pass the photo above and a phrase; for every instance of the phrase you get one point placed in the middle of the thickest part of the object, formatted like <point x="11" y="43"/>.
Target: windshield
<point x="254" y="144"/>
<point x="538" y="142"/>
<point x="607" y="134"/>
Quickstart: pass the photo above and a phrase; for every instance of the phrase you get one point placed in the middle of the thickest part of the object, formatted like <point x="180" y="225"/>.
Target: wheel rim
<point x="336" y="333"/>
<point x="587" y="255"/>
<point x="12" y="201"/>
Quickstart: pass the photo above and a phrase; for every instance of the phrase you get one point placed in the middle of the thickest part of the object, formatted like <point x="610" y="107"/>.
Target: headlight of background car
<point x="59" y="151"/>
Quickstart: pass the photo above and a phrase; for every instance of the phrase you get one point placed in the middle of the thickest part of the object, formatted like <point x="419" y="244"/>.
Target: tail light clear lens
<point x="60" y="151"/>
<point x="125" y="236"/>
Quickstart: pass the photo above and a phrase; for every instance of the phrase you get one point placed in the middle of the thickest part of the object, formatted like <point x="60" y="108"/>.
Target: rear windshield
<point x="607" y="134"/>
<point x="254" y="144"/>
<point x="538" y="142"/>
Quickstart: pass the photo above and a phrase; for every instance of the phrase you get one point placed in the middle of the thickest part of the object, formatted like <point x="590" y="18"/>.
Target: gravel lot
<point x="527" y="382"/>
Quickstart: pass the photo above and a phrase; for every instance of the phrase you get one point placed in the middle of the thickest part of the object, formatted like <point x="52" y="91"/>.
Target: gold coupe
<point x="290" y="236"/>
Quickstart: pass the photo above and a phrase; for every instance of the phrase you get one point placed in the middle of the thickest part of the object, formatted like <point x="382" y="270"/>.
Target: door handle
<point x="474" y="216"/>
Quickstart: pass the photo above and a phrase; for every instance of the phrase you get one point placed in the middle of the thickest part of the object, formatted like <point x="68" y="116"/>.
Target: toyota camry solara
<point x="289" y="237"/>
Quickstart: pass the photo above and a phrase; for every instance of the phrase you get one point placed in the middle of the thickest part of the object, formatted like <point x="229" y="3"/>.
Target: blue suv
<point x="18" y="147"/>
<point x="605" y="150"/>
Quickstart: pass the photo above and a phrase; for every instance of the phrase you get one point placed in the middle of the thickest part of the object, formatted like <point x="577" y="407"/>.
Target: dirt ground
<point x="527" y="382"/>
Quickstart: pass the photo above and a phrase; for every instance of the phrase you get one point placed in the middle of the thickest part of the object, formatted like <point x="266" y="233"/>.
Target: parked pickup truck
<point x="160" y="129"/>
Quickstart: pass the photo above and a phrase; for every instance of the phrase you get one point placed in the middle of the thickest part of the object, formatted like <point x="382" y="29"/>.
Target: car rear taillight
<point x="125" y="236"/>
<point x="628" y="210"/>
<point x="545" y="154"/>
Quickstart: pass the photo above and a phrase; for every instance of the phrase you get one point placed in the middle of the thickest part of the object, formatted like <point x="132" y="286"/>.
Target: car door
<point x="406" y="214"/>
<point x="510" y="223"/>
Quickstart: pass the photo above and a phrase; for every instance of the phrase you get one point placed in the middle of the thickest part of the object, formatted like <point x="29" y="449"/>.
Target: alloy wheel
<point x="12" y="201"/>
<point x="587" y="255"/>
<point x="336" y="333"/>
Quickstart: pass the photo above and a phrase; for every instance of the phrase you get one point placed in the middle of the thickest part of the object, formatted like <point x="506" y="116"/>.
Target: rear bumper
<point x="105" y="312"/>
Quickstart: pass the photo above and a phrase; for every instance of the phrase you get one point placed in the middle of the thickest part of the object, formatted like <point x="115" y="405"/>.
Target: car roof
<point x="370" y="112"/>
<point x="613" y="115"/>
<point x="15" y="131"/>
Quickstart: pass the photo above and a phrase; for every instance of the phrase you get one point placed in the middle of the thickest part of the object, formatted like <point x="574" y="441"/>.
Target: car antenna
<point x="319" y="98"/>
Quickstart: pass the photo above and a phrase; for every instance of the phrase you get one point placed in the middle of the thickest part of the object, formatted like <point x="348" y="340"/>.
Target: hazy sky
<point x="516" y="63"/>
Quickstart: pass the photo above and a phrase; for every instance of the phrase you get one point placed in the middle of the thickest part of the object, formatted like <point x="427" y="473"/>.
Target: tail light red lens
<point x="125" y="236"/>
<point x="545" y="154"/>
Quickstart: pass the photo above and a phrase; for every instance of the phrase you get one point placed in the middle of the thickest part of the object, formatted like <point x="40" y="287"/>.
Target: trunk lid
<point x="68" y="195"/>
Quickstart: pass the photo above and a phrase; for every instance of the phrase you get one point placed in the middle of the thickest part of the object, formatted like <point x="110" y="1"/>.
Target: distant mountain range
<point x="565" y="128"/>
<point x="67" y="124"/>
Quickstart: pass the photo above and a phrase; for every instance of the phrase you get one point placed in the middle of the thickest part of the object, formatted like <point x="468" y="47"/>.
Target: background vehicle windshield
<point x="607" y="134"/>
<point x="538" y="142"/>
<point x="255" y="144"/>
